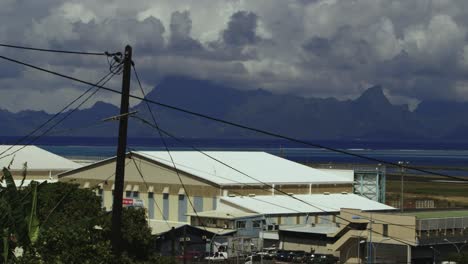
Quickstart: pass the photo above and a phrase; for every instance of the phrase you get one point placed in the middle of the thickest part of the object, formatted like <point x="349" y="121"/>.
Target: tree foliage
<point x="60" y="223"/>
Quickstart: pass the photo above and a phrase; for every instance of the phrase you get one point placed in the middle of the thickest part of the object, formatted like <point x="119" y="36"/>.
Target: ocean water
<point x="422" y="153"/>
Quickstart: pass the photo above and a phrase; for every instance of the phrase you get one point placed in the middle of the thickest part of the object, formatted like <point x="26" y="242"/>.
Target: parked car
<point x="300" y="257"/>
<point x="218" y="256"/>
<point x="282" y="255"/>
<point x="265" y="255"/>
<point x="322" y="259"/>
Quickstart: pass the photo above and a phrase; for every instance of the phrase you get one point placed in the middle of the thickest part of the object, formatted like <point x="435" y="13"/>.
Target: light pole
<point x="402" y="165"/>
<point x="359" y="250"/>
<point x="455" y="245"/>
<point x="434" y="251"/>
<point x="375" y="248"/>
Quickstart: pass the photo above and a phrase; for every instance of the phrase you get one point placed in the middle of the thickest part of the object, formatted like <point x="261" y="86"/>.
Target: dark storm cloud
<point x="180" y="39"/>
<point x="318" y="46"/>
<point x="241" y="29"/>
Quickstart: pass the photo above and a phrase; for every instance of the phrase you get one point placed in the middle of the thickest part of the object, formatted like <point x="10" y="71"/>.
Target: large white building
<point x="40" y="164"/>
<point x="152" y="179"/>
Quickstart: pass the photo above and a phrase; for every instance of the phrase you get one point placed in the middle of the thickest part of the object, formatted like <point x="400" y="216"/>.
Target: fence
<point x="441" y="223"/>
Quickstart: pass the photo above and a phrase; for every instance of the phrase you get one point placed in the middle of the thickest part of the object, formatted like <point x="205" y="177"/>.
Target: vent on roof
<point x="326" y="193"/>
<point x="231" y="195"/>
<point x="251" y="194"/>
<point x="344" y="192"/>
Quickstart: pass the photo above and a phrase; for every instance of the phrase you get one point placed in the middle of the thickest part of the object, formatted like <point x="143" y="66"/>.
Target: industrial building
<point x="152" y="180"/>
<point x="264" y="218"/>
<point x="39" y="164"/>
<point x="386" y="237"/>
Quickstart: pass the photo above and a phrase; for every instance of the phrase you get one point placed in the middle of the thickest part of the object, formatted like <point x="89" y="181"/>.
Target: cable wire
<point x="53" y="117"/>
<point x="236" y="125"/>
<point x="179" y="109"/>
<point x="108" y="76"/>
<point x="147" y="187"/>
<point x="57" y="51"/>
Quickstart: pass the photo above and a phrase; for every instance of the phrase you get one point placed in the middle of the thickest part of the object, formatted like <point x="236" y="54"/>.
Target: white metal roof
<point x="260" y="166"/>
<point x="317" y="203"/>
<point x="318" y="229"/>
<point x="37" y="159"/>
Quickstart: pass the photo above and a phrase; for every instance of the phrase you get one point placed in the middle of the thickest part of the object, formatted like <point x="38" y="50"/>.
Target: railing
<point x="441" y="223"/>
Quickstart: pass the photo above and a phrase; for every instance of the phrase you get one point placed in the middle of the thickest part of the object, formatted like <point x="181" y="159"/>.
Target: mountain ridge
<point x="370" y="116"/>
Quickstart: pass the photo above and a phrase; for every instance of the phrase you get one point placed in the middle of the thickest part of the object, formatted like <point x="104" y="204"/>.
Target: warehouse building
<point x="152" y="181"/>
<point x="39" y="164"/>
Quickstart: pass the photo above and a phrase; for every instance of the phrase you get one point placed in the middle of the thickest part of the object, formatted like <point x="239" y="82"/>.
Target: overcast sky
<point x="416" y="49"/>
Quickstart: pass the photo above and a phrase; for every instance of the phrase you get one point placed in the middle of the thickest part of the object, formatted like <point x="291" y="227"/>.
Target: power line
<point x="375" y="221"/>
<point x="179" y="109"/>
<point x="108" y="76"/>
<point x="53" y="117"/>
<point x="147" y="187"/>
<point x="225" y="164"/>
<point x="58" y="51"/>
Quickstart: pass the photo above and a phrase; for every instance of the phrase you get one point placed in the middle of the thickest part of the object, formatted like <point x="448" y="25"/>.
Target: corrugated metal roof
<point x="37" y="159"/>
<point x="259" y="165"/>
<point x="284" y="204"/>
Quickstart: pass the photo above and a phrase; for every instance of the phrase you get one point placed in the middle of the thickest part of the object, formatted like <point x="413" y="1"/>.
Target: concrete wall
<point x="402" y="227"/>
<point x="308" y="245"/>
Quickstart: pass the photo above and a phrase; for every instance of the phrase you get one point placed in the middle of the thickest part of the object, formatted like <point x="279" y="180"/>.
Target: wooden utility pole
<point x="116" y="238"/>
<point x="185" y="245"/>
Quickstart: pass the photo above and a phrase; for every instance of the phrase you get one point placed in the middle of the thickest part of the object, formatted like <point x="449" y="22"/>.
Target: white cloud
<point x="441" y="37"/>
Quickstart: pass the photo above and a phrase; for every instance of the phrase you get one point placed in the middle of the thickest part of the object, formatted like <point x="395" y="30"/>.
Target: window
<point x="165" y="206"/>
<point x="182" y="208"/>
<point x="240" y="224"/>
<point x="198" y="203"/>
<point x="257" y="223"/>
<point x="385" y="230"/>
<point x="136" y="195"/>
<point x="128" y="194"/>
<point x="151" y="205"/>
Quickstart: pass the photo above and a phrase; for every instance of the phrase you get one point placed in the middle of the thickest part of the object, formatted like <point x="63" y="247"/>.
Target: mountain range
<point x="369" y="117"/>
